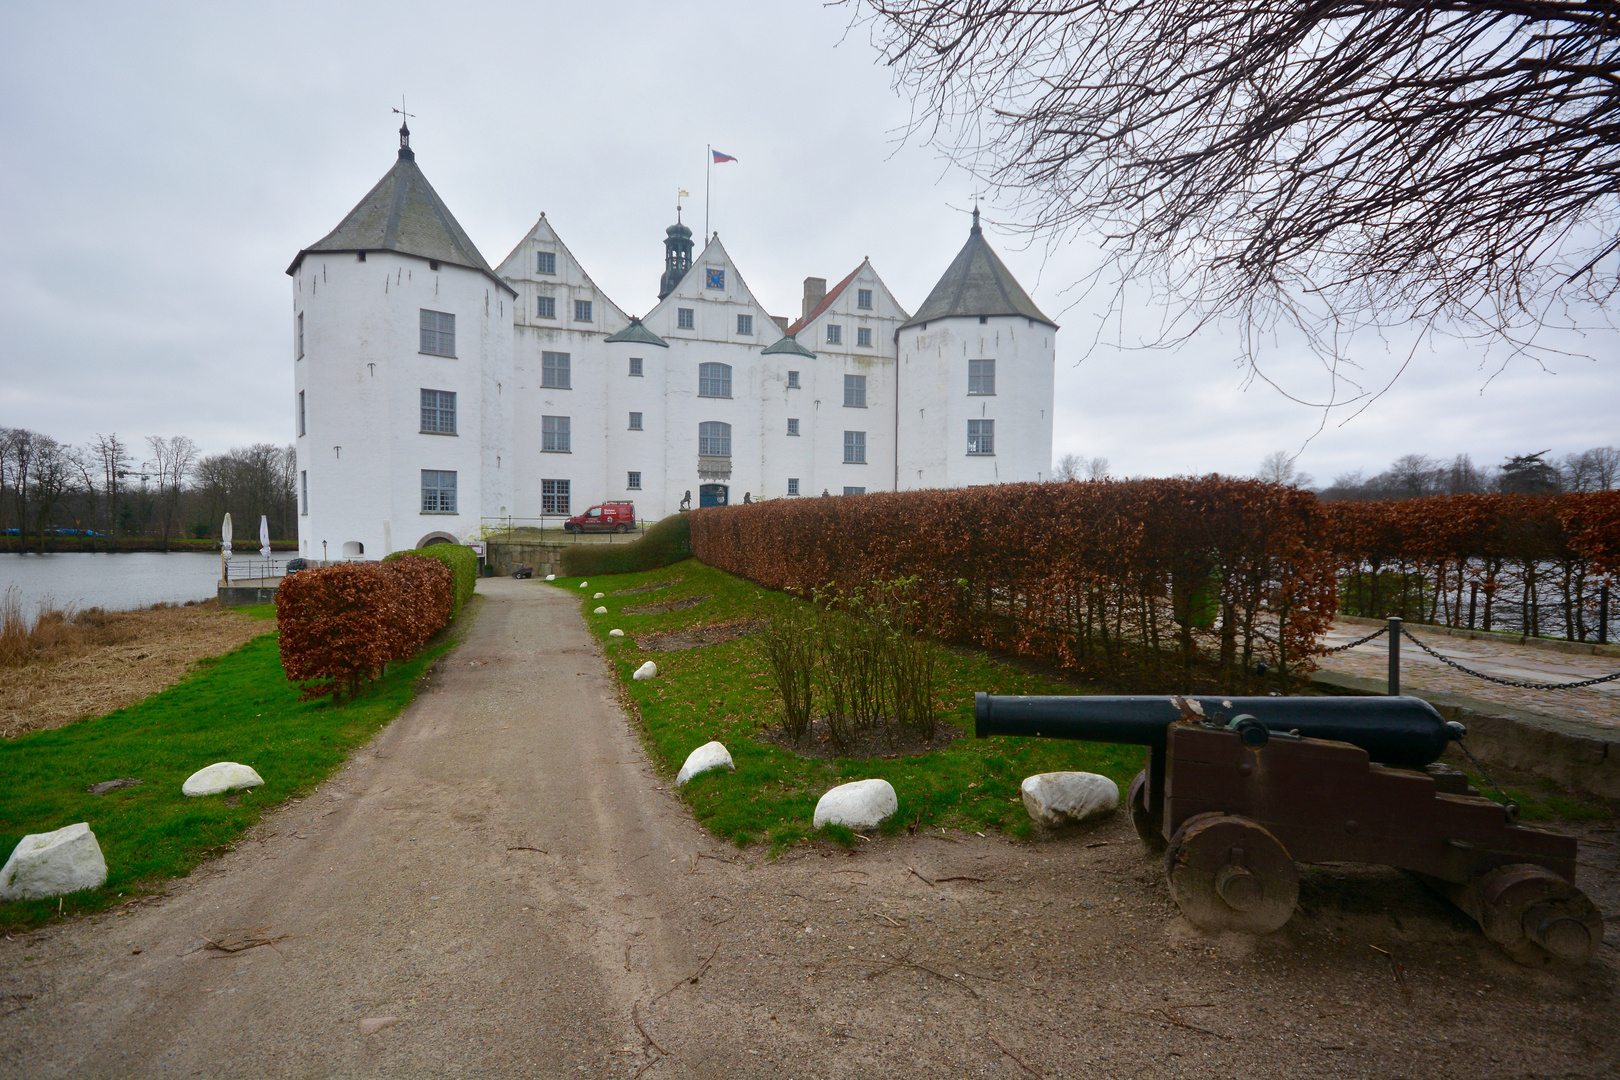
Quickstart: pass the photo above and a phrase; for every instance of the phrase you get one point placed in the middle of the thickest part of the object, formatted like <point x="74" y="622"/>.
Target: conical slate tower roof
<point x="977" y="283"/>
<point x="403" y="213"/>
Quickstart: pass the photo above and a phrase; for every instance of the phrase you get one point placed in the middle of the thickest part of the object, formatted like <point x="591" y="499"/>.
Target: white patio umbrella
<point x="225" y="537"/>
<point x="264" y="535"/>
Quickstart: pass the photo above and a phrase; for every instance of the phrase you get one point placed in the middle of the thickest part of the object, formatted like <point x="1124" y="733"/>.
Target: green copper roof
<point x="638" y="334"/>
<point x="977" y="283"/>
<point x="403" y="213"/>
<point x="787" y="345"/>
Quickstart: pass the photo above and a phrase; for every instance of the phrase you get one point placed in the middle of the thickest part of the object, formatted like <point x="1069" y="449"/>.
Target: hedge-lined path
<point x="1598" y="705"/>
<point x="410" y="886"/>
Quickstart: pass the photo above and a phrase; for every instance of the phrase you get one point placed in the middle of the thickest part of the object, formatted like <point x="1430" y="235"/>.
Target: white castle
<point x="437" y="397"/>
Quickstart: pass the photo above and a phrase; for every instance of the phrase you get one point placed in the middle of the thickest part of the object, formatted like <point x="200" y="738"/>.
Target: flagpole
<point x="708" y="164"/>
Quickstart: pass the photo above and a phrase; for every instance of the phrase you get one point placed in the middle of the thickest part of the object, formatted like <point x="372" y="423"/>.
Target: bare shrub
<point x="790" y="646"/>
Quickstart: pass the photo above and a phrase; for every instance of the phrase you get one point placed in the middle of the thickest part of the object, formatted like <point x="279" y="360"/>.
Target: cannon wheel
<point x="1149" y="826"/>
<point x="1536" y="916"/>
<point x="1229" y="873"/>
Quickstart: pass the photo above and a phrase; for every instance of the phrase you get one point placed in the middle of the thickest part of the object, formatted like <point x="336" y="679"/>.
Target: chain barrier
<point x="1508" y="682"/>
<point x="1358" y="641"/>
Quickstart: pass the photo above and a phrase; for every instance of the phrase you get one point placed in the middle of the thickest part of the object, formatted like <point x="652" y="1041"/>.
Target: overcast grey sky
<point x="162" y="165"/>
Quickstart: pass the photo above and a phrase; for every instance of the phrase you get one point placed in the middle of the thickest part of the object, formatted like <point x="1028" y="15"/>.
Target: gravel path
<point x="503" y="873"/>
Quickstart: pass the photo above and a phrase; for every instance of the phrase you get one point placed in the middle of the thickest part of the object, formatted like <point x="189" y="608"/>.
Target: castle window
<point x="300" y="355"/>
<point x="863" y="299"/>
<point x="582" y="311"/>
<point x="745" y="324"/>
<point x="439" y="412"/>
<point x="835" y="334"/>
<point x="793" y="380"/>
<point x="556" y="370"/>
<point x="981" y="437"/>
<point x="303" y="490"/>
<point x="438" y="491"/>
<point x="863" y="337"/>
<point x="554" y="496"/>
<point x="854" y="491"/>
<point x="545" y="262"/>
<point x="854" y="391"/>
<point x="555" y="434"/>
<point x="300" y="412"/>
<point x="981" y="376"/>
<point x="793" y="425"/>
<point x="545" y="307"/>
<point x="635" y="365"/>
<point x="635" y="421"/>
<point x="855" y="448"/>
<point x="438" y="333"/>
<point x="632" y="481"/>
<point x="714" y="380"/>
<point x="714" y="439"/>
<point x="793" y="485"/>
<point x="983" y="319"/>
<point x="685" y="318"/>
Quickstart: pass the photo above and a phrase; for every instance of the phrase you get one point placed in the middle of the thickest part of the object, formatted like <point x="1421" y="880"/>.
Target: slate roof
<point x="977" y="283"/>
<point x="638" y="334"/>
<point x="403" y="213"/>
<point x="789" y="346"/>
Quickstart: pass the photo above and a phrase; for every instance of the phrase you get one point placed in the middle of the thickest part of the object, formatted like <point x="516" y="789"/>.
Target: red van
<point x="606" y="517"/>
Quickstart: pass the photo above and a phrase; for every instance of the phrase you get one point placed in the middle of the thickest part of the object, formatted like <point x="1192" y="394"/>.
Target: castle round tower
<point x="975" y="379"/>
<point x="402" y="376"/>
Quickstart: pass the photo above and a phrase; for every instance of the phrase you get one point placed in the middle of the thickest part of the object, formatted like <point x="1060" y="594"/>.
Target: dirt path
<point x="503" y="872"/>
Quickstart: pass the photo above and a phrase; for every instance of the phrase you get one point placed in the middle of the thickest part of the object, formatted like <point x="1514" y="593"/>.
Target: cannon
<point x="1239" y="790"/>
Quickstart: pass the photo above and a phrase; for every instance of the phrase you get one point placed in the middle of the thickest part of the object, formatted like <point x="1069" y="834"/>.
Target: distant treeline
<point x="1414" y="476"/>
<point x="164" y="490"/>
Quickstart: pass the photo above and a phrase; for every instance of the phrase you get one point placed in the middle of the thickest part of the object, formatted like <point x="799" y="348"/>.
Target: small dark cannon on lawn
<point x="1238" y="790"/>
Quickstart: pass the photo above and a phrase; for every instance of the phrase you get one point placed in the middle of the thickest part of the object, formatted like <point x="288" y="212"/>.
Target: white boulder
<point x="600" y="610"/>
<point x="583" y="584"/>
<point x="711" y="755"/>
<point x="53" y="863"/>
<point x="645" y="671"/>
<point x="615" y="633"/>
<point x="221" y="776"/>
<point x="599" y="596"/>
<point x="863" y="804"/>
<point x="551" y="577"/>
<point x="1065" y="798"/>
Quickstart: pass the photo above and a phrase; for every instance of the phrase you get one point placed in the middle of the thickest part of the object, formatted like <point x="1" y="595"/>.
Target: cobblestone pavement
<point x="1419" y="671"/>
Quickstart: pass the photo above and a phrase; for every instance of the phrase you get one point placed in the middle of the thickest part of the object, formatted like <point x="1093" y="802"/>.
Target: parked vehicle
<point x="523" y="572"/>
<point x="604" y="517"/>
<point x="295" y="565"/>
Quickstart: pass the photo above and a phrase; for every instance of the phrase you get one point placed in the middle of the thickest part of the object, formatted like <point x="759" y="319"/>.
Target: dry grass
<point x="67" y="665"/>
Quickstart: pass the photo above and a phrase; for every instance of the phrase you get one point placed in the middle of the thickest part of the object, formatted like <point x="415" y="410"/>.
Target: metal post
<point x="1603" y="614"/>
<point x="1394" y="656"/>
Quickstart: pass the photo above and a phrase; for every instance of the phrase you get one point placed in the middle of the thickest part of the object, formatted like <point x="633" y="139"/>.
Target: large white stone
<point x="600" y="610"/>
<point x="53" y="863"/>
<point x="863" y="804"/>
<point x="599" y="596"/>
<point x="551" y="577"/>
<point x="711" y="755"/>
<point x="615" y="633"/>
<point x="221" y="776"/>
<point x="583" y="584"/>
<point x="646" y="671"/>
<point x="1065" y="798"/>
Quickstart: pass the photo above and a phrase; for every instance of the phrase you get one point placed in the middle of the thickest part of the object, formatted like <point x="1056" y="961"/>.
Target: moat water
<point x="116" y="582"/>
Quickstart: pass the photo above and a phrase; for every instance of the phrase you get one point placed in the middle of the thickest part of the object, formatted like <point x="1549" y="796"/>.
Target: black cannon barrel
<point x="1402" y="731"/>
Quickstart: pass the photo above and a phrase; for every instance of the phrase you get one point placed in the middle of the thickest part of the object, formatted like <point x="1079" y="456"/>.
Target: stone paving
<point x="1419" y="671"/>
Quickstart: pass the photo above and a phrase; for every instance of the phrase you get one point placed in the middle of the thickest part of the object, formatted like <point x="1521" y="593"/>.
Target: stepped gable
<point x="403" y="214"/>
<point x="977" y="283"/>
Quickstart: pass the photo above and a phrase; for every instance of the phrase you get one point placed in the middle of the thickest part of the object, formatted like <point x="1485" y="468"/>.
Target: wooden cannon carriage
<point x="1239" y="790"/>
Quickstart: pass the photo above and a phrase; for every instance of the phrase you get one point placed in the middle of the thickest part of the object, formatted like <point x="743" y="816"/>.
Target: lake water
<point x="117" y="582"/>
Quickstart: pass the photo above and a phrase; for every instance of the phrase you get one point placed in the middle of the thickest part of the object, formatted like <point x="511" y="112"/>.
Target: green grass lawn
<point x="725" y="692"/>
<point x="237" y="707"/>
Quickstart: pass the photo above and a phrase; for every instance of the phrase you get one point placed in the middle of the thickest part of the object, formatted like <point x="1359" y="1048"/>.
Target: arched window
<point x="714" y="380"/>
<point x="714" y="438"/>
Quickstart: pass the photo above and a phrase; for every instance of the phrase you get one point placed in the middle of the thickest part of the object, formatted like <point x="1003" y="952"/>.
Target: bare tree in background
<point x="1097" y="468"/>
<point x="174" y="457"/>
<point x="18" y="450"/>
<point x="1279" y="467"/>
<point x="1332" y="166"/>
<point x="1067" y="468"/>
<point x="113" y="457"/>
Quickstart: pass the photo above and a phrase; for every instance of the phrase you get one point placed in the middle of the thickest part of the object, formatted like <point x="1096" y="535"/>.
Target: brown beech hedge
<point x="1530" y="564"/>
<point x="1097" y="577"/>
<point x="338" y="625"/>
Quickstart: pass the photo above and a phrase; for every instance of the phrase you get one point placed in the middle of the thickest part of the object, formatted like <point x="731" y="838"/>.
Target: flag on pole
<point x="683" y="194"/>
<point x="719" y="157"/>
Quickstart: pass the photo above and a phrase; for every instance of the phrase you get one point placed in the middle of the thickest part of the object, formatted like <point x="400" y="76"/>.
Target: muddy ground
<point x="500" y="885"/>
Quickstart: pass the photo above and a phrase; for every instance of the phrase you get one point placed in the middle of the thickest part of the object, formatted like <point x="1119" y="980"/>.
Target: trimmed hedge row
<point x="1095" y="577"/>
<point x="669" y="541"/>
<point x="462" y="562"/>
<point x="337" y="626"/>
